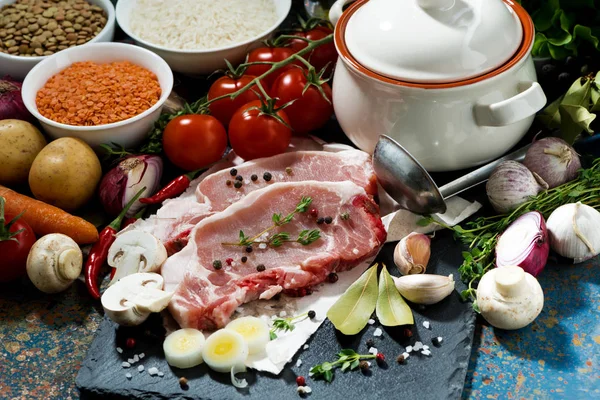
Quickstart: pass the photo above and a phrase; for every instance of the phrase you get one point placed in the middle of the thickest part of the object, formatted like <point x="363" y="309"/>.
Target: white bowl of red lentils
<point x="32" y="30"/>
<point x="101" y="93"/>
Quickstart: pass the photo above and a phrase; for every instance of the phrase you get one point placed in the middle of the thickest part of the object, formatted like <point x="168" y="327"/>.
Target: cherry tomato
<point x="194" y="141"/>
<point x="224" y="109"/>
<point x="269" y="54"/>
<point x="254" y="136"/>
<point x="14" y="252"/>
<point x="322" y="55"/>
<point x="310" y="110"/>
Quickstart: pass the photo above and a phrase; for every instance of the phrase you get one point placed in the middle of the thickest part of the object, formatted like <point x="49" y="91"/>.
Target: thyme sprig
<point x="481" y="235"/>
<point x="286" y="324"/>
<point x="347" y="359"/>
<point x="305" y="237"/>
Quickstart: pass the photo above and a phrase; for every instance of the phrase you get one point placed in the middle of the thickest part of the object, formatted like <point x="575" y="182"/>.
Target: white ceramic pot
<point x="446" y="122"/>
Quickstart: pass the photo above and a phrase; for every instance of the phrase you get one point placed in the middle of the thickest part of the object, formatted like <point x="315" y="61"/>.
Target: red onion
<point x="11" y="102"/>
<point x="524" y="244"/>
<point x="123" y="182"/>
<point x="554" y="160"/>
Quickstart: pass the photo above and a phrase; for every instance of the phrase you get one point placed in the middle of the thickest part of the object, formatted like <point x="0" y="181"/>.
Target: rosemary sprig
<point x="286" y="324"/>
<point x="481" y="235"/>
<point x="305" y="237"/>
<point x="348" y="359"/>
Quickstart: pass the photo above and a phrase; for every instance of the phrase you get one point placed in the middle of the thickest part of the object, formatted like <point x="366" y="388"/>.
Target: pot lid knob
<point x="433" y="41"/>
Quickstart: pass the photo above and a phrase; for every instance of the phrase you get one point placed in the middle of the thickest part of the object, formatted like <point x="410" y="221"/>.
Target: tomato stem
<point x="5" y="233"/>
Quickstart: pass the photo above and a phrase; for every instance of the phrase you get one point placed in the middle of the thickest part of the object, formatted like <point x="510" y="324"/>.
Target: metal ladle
<point x="407" y="182"/>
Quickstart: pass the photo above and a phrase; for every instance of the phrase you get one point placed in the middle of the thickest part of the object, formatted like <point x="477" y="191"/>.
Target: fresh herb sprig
<point x="305" y="237"/>
<point x="481" y="235"/>
<point x="286" y="324"/>
<point x="348" y="359"/>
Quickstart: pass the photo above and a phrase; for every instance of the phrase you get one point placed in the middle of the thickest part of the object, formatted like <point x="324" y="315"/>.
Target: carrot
<point x="44" y="218"/>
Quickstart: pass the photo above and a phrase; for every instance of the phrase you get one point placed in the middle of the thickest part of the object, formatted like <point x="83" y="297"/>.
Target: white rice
<point x="201" y="24"/>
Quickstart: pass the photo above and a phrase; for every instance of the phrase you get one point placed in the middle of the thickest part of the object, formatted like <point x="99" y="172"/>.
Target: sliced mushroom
<point x="130" y="301"/>
<point x="136" y="251"/>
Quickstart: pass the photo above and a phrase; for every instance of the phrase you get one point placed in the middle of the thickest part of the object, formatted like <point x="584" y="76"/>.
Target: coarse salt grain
<point x="405" y="355"/>
<point x="233" y="264"/>
<point x="426" y="352"/>
<point x="280" y="176"/>
<point x="262" y="246"/>
<point x="299" y="363"/>
<point x="153" y="371"/>
<point x="282" y="314"/>
<point x="418" y="346"/>
<point x="141" y="368"/>
<point x="409" y="349"/>
<point x="125" y="364"/>
<point x="305" y="347"/>
<point x="128" y="375"/>
<point x="247" y="182"/>
<point x="355" y="251"/>
<point x="425" y="347"/>
<point x="304" y="389"/>
<point x="142" y="355"/>
<point x="373" y="350"/>
<point x="378" y="332"/>
<point x="136" y="358"/>
<point x="131" y="361"/>
<point x="371" y="321"/>
<point x="426" y="324"/>
<point x="160" y="373"/>
<point x="119" y="350"/>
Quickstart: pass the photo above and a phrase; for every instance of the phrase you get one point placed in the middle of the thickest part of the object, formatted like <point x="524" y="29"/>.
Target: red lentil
<point x="88" y="94"/>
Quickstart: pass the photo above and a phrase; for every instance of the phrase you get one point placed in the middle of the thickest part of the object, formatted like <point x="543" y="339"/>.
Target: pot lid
<point x="433" y="41"/>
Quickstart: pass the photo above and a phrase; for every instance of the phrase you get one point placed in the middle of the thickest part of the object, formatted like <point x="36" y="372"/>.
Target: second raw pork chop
<point x="208" y="288"/>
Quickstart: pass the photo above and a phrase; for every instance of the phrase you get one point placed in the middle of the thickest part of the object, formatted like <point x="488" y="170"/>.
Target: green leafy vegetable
<point x="347" y="358"/>
<point x="352" y="310"/>
<point x="391" y="308"/>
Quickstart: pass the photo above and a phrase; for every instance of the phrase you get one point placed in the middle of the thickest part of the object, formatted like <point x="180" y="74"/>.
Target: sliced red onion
<point x="524" y="244"/>
<point x="554" y="160"/>
<point x="11" y="102"/>
<point x="125" y="180"/>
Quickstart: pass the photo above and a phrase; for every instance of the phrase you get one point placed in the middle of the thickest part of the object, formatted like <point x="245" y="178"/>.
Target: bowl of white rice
<point x="195" y="37"/>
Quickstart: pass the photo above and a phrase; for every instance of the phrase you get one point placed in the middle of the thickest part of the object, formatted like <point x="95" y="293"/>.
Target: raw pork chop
<point x="206" y="297"/>
<point x="215" y="195"/>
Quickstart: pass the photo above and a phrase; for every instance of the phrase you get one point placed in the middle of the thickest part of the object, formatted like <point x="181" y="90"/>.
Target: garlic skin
<point x="509" y="298"/>
<point x="573" y="231"/>
<point x="554" y="160"/>
<point x="412" y="253"/>
<point x="512" y="184"/>
<point x="425" y="288"/>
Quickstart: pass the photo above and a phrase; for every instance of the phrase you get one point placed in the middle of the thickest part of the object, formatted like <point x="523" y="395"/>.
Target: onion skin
<point x="116" y="189"/>
<point x="11" y="102"/>
<point x="529" y="248"/>
<point x="554" y="160"/>
<point x="512" y="184"/>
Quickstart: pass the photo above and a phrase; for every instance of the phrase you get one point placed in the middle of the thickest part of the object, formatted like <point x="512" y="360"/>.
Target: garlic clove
<point x="425" y="288"/>
<point x="573" y="231"/>
<point x="412" y="253"/>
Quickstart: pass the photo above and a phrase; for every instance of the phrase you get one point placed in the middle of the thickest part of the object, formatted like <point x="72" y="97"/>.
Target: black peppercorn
<point x="239" y="178"/>
<point x="254" y="177"/>
<point x="237" y="184"/>
<point x="267" y="176"/>
<point x="248" y="249"/>
<point x="320" y="221"/>
<point x="400" y="359"/>
<point x="328" y="220"/>
<point x="260" y="267"/>
<point x="288" y="170"/>
<point x="370" y="343"/>
<point x="244" y="259"/>
<point x="332" y="277"/>
<point x="312" y="314"/>
<point x="233" y="172"/>
<point x="364" y="365"/>
<point x="217" y="264"/>
<point x="228" y="182"/>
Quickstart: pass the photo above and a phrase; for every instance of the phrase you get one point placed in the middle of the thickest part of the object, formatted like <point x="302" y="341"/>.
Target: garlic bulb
<point x="574" y="233"/>
<point x="425" y="288"/>
<point x="512" y="184"/>
<point x="412" y="253"/>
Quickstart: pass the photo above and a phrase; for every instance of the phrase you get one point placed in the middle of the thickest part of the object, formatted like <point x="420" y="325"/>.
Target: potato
<point x="65" y="174"/>
<point x="20" y="143"/>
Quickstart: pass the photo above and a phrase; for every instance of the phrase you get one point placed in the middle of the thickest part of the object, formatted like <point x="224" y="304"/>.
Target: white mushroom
<point x="130" y="301"/>
<point x="136" y="251"/>
<point x="509" y="298"/>
<point x="54" y="262"/>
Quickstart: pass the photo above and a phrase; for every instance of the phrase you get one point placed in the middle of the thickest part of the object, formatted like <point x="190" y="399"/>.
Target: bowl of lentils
<point x="101" y="93"/>
<point x="31" y="30"/>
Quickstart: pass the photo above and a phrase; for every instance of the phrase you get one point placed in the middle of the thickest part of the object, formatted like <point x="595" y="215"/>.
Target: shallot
<point x="11" y="102"/>
<point x="125" y="180"/>
<point x="553" y="160"/>
<point x="512" y="184"/>
<point x="525" y="244"/>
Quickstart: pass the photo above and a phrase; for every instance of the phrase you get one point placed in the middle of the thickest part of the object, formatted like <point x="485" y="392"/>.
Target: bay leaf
<point x="351" y="312"/>
<point x="391" y="308"/>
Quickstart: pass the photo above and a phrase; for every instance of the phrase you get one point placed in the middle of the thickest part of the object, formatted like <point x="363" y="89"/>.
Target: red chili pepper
<point x="99" y="251"/>
<point x="173" y="188"/>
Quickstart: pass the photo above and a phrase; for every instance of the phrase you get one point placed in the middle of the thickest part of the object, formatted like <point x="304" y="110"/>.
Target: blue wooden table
<point x="43" y="340"/>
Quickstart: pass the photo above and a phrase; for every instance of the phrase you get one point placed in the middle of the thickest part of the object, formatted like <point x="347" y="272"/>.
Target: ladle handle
<point x="480" y="175"/>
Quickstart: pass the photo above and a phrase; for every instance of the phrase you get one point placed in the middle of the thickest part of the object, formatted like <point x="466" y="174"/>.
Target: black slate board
<point x="440" y="376"/>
